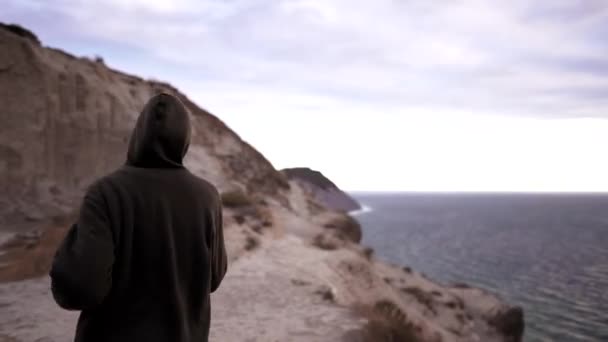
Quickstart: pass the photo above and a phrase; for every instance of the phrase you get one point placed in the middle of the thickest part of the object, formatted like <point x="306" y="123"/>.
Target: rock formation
<point x="294" y="263"/>
<point x="322" y="189"/>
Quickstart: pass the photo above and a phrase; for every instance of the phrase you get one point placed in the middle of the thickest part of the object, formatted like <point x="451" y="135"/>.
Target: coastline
<point x="296" y="265"/>
<point x="364" y="210"/>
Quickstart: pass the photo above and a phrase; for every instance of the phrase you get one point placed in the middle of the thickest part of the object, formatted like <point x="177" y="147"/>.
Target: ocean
<point x="545" y="252"/>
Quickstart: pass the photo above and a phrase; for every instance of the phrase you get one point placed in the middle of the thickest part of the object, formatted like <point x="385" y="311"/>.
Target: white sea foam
<point x="364" y="210"/>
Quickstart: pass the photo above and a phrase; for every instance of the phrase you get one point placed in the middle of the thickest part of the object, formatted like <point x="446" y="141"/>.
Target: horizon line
<point x="489" y="192"/>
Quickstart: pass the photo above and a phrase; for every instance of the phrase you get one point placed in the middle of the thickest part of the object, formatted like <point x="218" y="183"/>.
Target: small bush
<point x="251" y="243"/>
<point x="255" y="215"/>
<point x="235" y="199"/>
<point x="324" y="242"/>
<point x="326" y="294"/>
<point x="387" y="323"/>
<point x="240" y="219"/>
<point x="368" y="253"/>
<point x="460" y="317"/>
<point x="264" y="216"/>
<point x="298" y="282"/>
<point x="421" y="296"/>
<point x="346" y="227"/>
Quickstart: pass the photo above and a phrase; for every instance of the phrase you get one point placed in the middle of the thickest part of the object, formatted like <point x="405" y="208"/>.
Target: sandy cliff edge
<point x="297" y="272"/>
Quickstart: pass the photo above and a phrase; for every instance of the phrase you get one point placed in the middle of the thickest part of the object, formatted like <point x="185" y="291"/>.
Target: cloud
<point x="509" y="57"/>
<point x="410" y="94"/>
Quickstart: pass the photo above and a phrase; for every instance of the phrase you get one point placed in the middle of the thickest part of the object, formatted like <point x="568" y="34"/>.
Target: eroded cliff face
<point x="294" y="263"/>
<point x="66" y="121"/>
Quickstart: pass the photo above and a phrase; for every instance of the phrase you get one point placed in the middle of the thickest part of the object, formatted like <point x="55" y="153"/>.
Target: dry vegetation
<point x="326" y="294"/>
<point x="423" y="297"/>
<point x="251" y="243"/>
<point x="30" y="255"/>
<point x="368" y="253"/>
<point x="235" y="199"/>
<point x="387" y="323"/>
<point x="325" y="242"/>
<point x="345" y="227"/>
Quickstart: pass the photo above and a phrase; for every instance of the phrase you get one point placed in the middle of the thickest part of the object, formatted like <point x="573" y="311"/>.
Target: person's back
<point x="148" y="246"/>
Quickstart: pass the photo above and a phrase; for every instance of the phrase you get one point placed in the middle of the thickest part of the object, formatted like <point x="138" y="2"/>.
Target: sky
<point x="382" y="95"/>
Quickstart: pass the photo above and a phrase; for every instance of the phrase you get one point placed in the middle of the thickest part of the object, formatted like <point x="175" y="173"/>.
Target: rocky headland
<point x="321" y="189"/>
<point x="297" y="271"/>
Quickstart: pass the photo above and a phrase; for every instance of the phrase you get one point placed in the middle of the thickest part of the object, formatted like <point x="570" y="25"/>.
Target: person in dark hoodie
<point x="148" y="247"/>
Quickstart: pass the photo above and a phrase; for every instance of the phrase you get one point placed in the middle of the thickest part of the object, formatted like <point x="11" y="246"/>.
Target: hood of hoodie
<point x="161" y="136"/>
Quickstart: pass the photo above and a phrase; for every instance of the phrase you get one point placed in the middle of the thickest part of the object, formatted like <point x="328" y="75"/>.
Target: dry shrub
<point x="235" y="199"/>
<point x="254" y="215"/>
<point x="387" y="323"/>
<point x="264" y="215"/>
<point x="326" y="294"/>
<point x="345" y="227"/>
<point x="510" y="323"/>
<point x="325" y="242"/>
<point x="461" y="318"/>
<point x="455" y="303"/>
<point x="299" y="282"/>
<point x="422" y="297"/>
<point x="240" y="219"/>
<point x="32" y="257"/>
<point x="368" y="253"/>
<point x="251" y="243"/>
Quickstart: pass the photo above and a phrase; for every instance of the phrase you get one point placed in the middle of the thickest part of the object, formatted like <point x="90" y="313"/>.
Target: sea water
<point x="547" y="253"/>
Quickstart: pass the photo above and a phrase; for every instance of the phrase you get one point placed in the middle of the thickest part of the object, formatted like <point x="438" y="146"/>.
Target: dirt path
<point x="268" y="295"/>
<point x="28" y="313"/>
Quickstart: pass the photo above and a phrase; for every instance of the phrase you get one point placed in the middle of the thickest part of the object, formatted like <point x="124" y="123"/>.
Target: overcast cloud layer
<point x="543" y="58"/>
<point x="340" y="68"/>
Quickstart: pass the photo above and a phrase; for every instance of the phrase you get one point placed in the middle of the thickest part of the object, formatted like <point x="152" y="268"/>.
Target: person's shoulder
<point x="109" y="180"/>
<point x="204" y="185"/>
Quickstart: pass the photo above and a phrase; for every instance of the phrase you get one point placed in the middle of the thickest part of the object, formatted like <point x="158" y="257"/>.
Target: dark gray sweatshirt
<point x="148" y="246"/>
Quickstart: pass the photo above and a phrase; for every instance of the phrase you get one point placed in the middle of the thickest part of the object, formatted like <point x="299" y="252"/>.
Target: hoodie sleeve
<point x="219" y="259"/>
<point x="81" y="273"/>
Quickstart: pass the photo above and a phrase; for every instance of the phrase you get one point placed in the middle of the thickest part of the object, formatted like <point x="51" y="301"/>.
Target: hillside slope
<point x="296" y="273"/>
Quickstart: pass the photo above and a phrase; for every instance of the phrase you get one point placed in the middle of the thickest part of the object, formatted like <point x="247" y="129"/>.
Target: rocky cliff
<point x="322" y="189"/>
<point x="294" y="263"/>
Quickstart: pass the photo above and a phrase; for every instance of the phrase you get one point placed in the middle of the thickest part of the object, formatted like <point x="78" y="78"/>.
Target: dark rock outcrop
<point x="322" y="189"/>
<point x="510" y="323"/>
